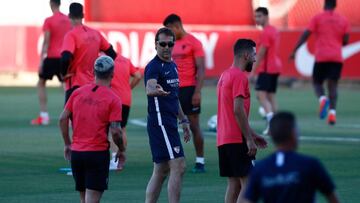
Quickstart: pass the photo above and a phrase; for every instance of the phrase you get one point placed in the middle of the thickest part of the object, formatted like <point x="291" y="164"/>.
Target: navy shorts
<point x="164" y="142"/>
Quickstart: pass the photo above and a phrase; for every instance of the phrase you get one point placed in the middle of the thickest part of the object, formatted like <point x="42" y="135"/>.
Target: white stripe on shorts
<point x="168" y="145"/>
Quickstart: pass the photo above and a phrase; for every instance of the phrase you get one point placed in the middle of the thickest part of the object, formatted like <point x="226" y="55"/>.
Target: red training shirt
<point x="329" y="29"/>
<point x="184" y="53"/>
<point x="93" y="108"/>
<point x="85" y="44"/>
<point x="121" y="81"/>
<point x="270" y="39"/>
<point x="233" y="83"/>
<point x="58" y="25"/>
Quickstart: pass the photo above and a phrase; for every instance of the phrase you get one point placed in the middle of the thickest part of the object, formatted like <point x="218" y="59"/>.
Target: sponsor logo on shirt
<point x="281" y="179"/>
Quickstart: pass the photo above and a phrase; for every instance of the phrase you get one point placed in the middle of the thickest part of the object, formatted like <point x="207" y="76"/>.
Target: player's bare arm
<point x="117" y="136"/>
<point x="242" y="121"/>
<point x="259" y="57"/>
<point x="346" y="39"/>
<point x="45" y="46"/>
<point x="185" y="124"/>
<point x="135" y="79"/>
<point x="304" y="37"/>
<point x="64" y="127"/>
<point x="332" y="198"/>
<point x="200" y="76"/>
<point x="154" y="89"/>
<point x="258" y="139"/>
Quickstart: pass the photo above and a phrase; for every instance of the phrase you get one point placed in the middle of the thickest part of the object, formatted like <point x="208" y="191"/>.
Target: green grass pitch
<point x="31" y="156"/>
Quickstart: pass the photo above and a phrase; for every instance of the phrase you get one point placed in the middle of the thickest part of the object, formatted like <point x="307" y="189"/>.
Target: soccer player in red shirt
<point x="55" y="27"/>
<point x="237" y="143"/>
<point x="122" y="86"/>
<point x="331" y="32"/>
<point x="80" y="49"/>
<point x="267" y="64"/>
<point x="188" y="55"/>
<point x="93" y="108"/>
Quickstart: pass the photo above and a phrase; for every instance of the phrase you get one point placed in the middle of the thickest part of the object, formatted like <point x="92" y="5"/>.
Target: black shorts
<point x="49" y="68"/>
<point x="90" y="170"/>
<point x="326" y="70"/>
<point x="69" y="92"/>
<point x="267" y="82"/>
<point x="234" y="161"/>
<point x="125" y="110"/>
<point x="185" y="97"/>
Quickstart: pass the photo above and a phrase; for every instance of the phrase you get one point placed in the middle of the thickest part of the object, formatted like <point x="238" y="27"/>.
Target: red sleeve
<point x="239" y="87"/>
<point x="264" y="39"/>
<point x="104" y="44"/>
<point x="115" y="110"/>
<point x="347" y="27"/>
<point x="198" y="49"/>
<point x="69" y="43"/>
<point x="312" y="25"/>
<point x="46" y="25"/>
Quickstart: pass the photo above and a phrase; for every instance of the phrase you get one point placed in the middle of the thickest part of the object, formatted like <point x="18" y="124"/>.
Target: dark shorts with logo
<point x="185" y="97"/>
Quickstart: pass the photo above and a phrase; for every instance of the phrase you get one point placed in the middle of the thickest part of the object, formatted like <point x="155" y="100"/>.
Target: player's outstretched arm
<point x="185" y="124"/>
<point x="304" y="37"/>
<point x="64" y="127"/>
<point x="154" y="89"/>
<point x="135" y="79"/>
<point x="117" y="136"/>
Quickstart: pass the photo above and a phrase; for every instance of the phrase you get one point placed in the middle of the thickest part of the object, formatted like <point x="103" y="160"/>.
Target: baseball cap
<point x="104" y="64"/>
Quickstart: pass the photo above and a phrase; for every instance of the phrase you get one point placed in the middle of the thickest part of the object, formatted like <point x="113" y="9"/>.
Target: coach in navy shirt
<point x="162" y="85"/>
<point x="287" y="176"/>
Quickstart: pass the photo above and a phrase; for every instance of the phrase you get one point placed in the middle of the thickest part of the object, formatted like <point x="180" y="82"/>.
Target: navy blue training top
<point x="285" y="177"/>
<point x="163" y="110"/>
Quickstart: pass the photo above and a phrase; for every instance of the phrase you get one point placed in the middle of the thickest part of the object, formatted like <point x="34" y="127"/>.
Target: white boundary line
<point x="142" y="123"/>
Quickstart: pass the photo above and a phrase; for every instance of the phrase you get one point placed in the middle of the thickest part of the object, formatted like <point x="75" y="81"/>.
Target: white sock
<point x="44" y="114"/>
<point x="200" y="160"/>
<point x="322" y="98"/>
<point x="113" y="155"/>
<point x="269" y="116"/>
<point x="332" y="111"/>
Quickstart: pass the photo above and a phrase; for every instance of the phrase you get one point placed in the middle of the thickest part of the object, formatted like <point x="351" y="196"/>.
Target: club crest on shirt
<point x="177" y="149"/>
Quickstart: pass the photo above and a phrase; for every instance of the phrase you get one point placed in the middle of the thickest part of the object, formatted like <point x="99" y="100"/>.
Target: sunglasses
<point x="169" y="44"/>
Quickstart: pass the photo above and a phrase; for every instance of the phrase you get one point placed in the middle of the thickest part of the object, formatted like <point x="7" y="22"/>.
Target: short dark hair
<point x="282" y="125"/>
<point x="171" y="19"/>
<point x="243" y="45"/>
<point x="56" y="2"/>
<point x="76" y="11"/>
<point x="262" y="10"/>
<point x="166" y="31"/>
<point x="330" y="4"/>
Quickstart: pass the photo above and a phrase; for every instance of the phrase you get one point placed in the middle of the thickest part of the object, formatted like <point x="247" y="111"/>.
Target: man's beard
<point x="249" y="67"/>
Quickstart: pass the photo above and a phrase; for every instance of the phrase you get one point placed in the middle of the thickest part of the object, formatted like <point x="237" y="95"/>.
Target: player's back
<point x="92" y="107"/>
<point x="120" y="83"/>
<point x="85" y="44"/>
<point x="288" y="177"/>
<point x="329" y="28"/>
<point x="58" y="25"/>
